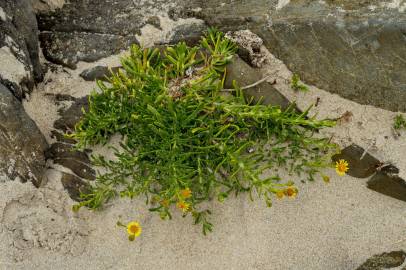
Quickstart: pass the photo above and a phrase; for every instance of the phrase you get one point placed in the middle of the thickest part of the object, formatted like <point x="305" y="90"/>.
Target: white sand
<point x="334" y="226"/>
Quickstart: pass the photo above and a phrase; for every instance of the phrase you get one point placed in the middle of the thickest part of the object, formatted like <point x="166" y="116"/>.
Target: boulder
<point x="19" y="52"/>
<point x="90" y="30"/>
<point x="22" y="145"/>
<point x="388" y="184"/>
<point x="353" y="48"/>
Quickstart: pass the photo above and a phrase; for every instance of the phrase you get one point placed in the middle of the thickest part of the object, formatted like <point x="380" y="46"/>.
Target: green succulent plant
<point x="184" y="142"/>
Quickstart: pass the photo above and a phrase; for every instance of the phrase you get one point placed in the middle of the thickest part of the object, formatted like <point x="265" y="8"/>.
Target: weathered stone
<point x="249" y="46"/>
<point x="22" y="145"/>
<point x="82" y="46"/>
<point x="388" y="184"/>
<point x="98" y="73"/>
<point x="74" y="185"/>
<point x="60" y="137"/>
<point x="87" y="31"/>
<point x="244" y="75"/>
<point x="80" y="169"/>
<point x="360" y="168"/>
<point x="353" y="48"/>
<point x="72" y="115"/>
<point x="384" y="261"/>
<point x="19" y="54"/>
<point x="63" y="150"/>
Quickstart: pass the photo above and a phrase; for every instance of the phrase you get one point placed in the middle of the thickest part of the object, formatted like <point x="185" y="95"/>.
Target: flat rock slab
<point x="22" y="145"/>
<point x="98" y="73"/>
<point x="90" y="30"/>
<point x="353" y="48"/>
<point x="390" y="185"/>
<point x="384" y="261"/>
<point x="360" y="168"/>
<point x="74" y="185"/>
<point x="243" y="74"/>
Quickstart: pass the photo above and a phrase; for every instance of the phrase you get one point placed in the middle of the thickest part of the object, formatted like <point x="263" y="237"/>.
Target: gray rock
<point x="72" y="115"/>
<point x="388" y="184"/>
<point x="77" y="167"/>
<point x="360" y="168"/>
<point x="244" y="75"/>
<point x="98" y="73"/>
<point x="19" y="51"/>
<point x="89" y="30"/>
<point x="384" y="261"/>
<point x="74" y="185"/>
<point x="63" y="150"/>
<point x="345" y="47"/>
<point x="22" y="145"/>
<point x="67" y="48"/>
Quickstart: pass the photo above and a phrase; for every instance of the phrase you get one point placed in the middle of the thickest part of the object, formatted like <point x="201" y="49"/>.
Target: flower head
<point x="341" y="167"/>
<point x="186" y="193"/>
<point x="134" y="230"/>
<point x="183" y="206"/>
<point x="280" y="194"/>
<point x="290" y="192"/>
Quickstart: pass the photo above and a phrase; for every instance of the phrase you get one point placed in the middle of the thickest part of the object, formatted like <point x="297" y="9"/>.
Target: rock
<point x="74" y="185"/>
<point x="82" y="46"/>
<point x="47" y="5"/>
<point x="360" y="168"/>
<point x="245" y="75"/>
<point x="388" y="184"/>
<point x="87" y="31"/>
<point x="19" y="52"/>
<point x="63" y="150"/>
<point x="22" y="145"/>
<point x="77" y="167"/>
<point x="384" y="261"/>
<point x="72" y="115"/>
<point x="249" y="46"/>
<point x="98" y="73"/>
<point x="353" y="48"/>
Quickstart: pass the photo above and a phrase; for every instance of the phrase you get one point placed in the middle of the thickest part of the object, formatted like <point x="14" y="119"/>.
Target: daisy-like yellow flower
<point x="183" y="206"/>
<point x="134" y="230"/>
<point x="280" y="194"/>
<point x="341" y="167"/>
<point x="186" y="193"/>
<point x="290" y="192"/>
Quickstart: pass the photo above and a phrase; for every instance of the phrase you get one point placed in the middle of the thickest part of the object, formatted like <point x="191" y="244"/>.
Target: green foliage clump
<point x="399" y="122"/>
<point x="185" y="142"/>
<point x="297" y="85"/>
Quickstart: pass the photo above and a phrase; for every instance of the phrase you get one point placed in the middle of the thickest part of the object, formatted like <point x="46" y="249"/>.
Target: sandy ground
<point x="334" y="226"/>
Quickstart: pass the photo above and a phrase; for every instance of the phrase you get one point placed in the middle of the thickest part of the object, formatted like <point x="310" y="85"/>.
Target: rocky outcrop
<point x="19" y="54"/>
<point x="22" y="145"/>
<point x="88" y="30"/>
<point x="353" y="48"/>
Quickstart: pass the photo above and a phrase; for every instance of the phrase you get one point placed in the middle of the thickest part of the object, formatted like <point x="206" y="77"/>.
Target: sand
<point x="334" y="226"/>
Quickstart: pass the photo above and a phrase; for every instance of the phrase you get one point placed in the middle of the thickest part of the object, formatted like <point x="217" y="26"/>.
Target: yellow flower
<point x="290" y="192"/>
<point x="164" y="203"/>
<point x="341" y="167"/>
<point x="134" y="230"/>
<point x="326" y="179"/>
<point x="186" y="193"/>
<point x="280" y="194"/>
<point x="183" y="206"/>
